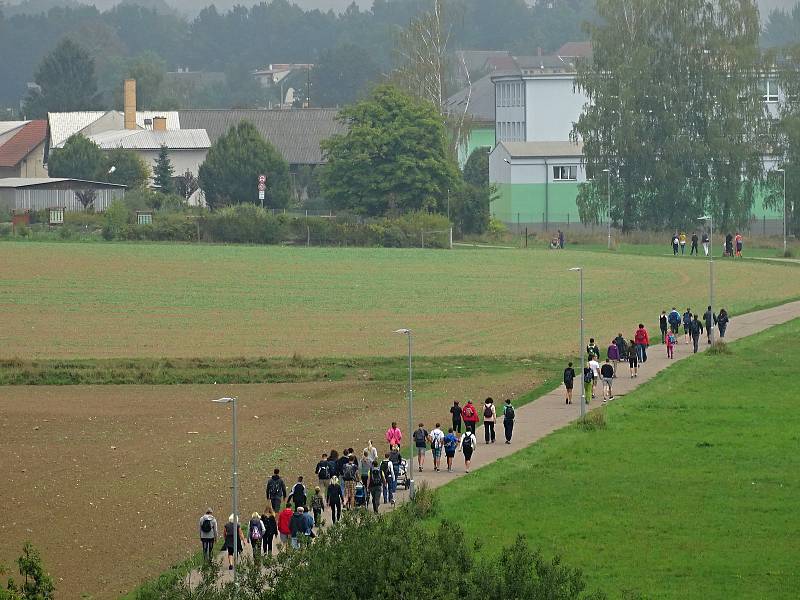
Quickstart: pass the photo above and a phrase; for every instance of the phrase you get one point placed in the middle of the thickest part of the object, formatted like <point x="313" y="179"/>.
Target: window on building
<point x="565" y="173"/>
<point x="144" y="218"/>
<point x="769" y="90"/>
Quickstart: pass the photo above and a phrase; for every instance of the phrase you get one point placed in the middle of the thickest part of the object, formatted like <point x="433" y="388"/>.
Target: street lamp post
<point x="410" y="397"/>
<point x="580" y="348"/>
<point x="710" y="220"/>
<point x="608" y="214"/>
<point x="783" y="171"/>
<point x="235" y="486"/>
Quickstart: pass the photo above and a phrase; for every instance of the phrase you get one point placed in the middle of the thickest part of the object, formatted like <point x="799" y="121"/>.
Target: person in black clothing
<point x="298" y="497"/>
<point x="323" y="471"/>
<point x="343" y="460"/>
<point x="696" y="330"/>
<point x="607" y="373"/>
<point x="455" y="410"/>
<point x="622" y="346"/>
<point x="270" y="530"/>
<point x="276" y="490"/>
<point x="297" y="526"/>
<point x="694" y="244"/>
<point x="711" y="319"/>
<point x="334" y="498"/>
<point x="728" y="245"/>
<point x="722" y="322"/>
<point x="592" y="350"/>
<point x="663" y="325"/>
<point x="569" y="379"/>
<point x="375" y="485"/>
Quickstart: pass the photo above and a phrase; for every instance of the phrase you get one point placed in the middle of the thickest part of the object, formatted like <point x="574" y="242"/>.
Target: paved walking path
<point x="549" y="412"/>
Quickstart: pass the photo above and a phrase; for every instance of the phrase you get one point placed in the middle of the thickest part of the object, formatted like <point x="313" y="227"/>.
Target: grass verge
<point x="687" y="491"/>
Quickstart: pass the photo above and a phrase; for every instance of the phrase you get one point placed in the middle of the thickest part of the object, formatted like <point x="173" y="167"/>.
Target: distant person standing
<point x="594" y="365"/>
<point x="722" y="322"/>
<point x="710" y="319"/>
<point x="706" y="241"/>
<point x="334" y="498"/>
<point x="642" y="340"/>
<point x="208" y="534"/>
<point x="323" y="471"/>
<point x="437" y="441"/>
<point x="682" y="238"/>
<point x="233" y="534"/>
<point x="470" y="416"/>
<point x="299" y="496"/>
<point x="612" y="353"/>
<point x="674" y="319"/>
<point x="317" y="505"/>
<point x="560" y="239"/>
<point x="390" y="481"/>
<point x="739" y="243"/>
<point x="284" y="531"/>
<point x="468" y="443"/>
<point x="375" y="484"/>
<point x="607" y="373"/>
<point x="633" y="361"/>
<point x="455" y="410"/>
<point x="421" y="444"/>
<point x="569" y="379"/>
<point x="394" y="436"/>
<point x="450" y="447"/>
<point x="489" y="419"/>
<point x="270" y="522"/>
<point x="255" y="534"/>
<point x="509" y="414"/>
<point x="588" y="384"/>
<point x="670" y="343"/>
<point x="696" y="330"/>
<point x="276" y="490"/>
<point x="663" y="325"/>
<point x="687" y="322"/>
<point x="621" y="345"/>
<point x="675" y="244"/>
<point x="592" y="351"/>
<point x="694" y="244"/>
<point x="728" y="244"/>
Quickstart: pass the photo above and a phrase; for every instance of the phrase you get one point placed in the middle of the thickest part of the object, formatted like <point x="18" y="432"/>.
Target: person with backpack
<point x="276" y="490"/>
<point x="455" y="410"/>
<point x="233" y="533"/>
<point x="489" y="419"/>
<point x="375" y="485"/>
<point x="298" y="497"/>
<point x="592" y="351"/>
<point x="317" y="505"/>
<point x="284" y="531"/>
<point x="389" y="480"/>
<point x="344" y="460"/>
<point x="588" y="383"/>
<point x="612" y="353"/>
<point x="208" y="534"/>
<point x="633" y="361"/>
<point x="674" y="318"/>
<point x="364" y="465"/>
<point x="696" y="330"/>
<point x="350" y="476"/>
<point x="569" y="379"/>
<point x="421" y="444"/>
<point x="437" y="441"/>
<point x="728" y="245"/>
<point x="508" y="420"/>
<point x="470" y="416"/>
<point x="450" y="447"/>
<point x="594" y="365"/>
<point x="622" y="345"/>
<point x="255" y="533"/>
<point x="607" y="373"/>
<point x="323" y="471"/>
<point x="687" y="322"/>
<point x="467" y="444"/>
<point x="670" y="343"/>
<point x="642" y="340"/>
<point x="722" y="322"/>
<point x="270" y="522"/>
<point x="297" y="526"/>
<point x="334" y="497"/>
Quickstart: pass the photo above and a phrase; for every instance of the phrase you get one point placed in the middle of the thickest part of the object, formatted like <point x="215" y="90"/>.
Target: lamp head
<point x="403" y="331"/>
<point x="112" y="169"/>
<point x="505" y="160"/>
<point x="576" y="269"/>
<point x="704" y="218"/>
<point x="224" y="400"/>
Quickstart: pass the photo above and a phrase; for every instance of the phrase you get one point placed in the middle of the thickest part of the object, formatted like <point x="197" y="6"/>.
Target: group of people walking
<point x="349" y="481"/>
<point x="634" y="350"/>
<point x="733" y="244"/>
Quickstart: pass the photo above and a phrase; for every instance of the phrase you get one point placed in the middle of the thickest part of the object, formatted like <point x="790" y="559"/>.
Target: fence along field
<point x="65" y="300"/>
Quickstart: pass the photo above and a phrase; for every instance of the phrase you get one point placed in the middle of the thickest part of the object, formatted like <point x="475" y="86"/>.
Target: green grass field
<point x="69" y="300"/>
<point x="689" y="492"/>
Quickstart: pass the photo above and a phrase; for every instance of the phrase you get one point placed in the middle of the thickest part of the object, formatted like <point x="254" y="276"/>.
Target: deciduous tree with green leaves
<point x="79" y="158"/>
<point x="66" y="80"/>
<point x="230" y="172"/>
<point x="36" y="585"/>
<point x="129" y="168"/>
<point x="393" y="159"/>
<point x="788" y="142"/>
<point x="674" y="112"/>
<point x="163" y="172"/>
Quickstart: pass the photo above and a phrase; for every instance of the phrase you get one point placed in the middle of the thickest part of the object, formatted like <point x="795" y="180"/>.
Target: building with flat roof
<point x="38" y="193"/>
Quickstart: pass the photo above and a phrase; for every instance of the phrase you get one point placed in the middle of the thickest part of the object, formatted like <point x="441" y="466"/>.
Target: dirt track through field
<point x="549" y="412"/>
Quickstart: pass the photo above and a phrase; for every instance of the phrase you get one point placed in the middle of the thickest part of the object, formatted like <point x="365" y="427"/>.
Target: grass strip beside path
<point x="690" y="491"/>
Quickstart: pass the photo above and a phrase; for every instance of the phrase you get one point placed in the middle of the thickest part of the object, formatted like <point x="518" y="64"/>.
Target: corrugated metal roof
<point x="295" y="133"/>
<point x="64" y="125"/>
<point x="6" y="126"/>
<point x="543" y="149"/>
<point x="18" y="182"/>
<point x="145" y="139"/>
<point x="24" y="141"/>
<point x="481" y="103"/>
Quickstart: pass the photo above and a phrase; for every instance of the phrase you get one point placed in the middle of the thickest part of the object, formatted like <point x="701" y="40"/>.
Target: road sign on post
<point x="262" y="179"/>
<point x="262" y="186"/>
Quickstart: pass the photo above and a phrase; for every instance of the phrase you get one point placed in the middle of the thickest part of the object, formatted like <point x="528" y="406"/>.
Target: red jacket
<point x="283" y="521"/>
<point x="641" y="337"/>
<point x="469" y="413"/>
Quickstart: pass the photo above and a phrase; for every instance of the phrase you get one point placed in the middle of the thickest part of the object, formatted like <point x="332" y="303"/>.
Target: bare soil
<point x="109" y="481"/>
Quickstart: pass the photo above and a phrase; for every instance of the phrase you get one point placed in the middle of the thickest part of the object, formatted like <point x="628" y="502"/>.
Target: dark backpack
<point x="349" y="472"/>
<point x="206" y="526"/>
<point x="255" y="530"/>
<point x="419" y="436"/>
<point x="299" y="493"/>
<point x="274" y="488"/>
<point x="467" y="441"/>
<point x="324" y="472"/>
<point x="588" y="377"/>
<point x="375" y="475"/>
<point x="487" y="412"/>
<point x="509" y="414"/>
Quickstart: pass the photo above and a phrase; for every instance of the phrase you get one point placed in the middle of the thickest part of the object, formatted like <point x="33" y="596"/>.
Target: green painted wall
<point x="528" y="202"/>
<point x="478" y="137"/>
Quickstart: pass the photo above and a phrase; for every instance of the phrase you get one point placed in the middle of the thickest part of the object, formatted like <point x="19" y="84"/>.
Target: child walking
<point x="670" y="344"/>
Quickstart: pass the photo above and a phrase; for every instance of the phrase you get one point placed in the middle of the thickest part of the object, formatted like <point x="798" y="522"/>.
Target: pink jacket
<point x="394" y="436"/>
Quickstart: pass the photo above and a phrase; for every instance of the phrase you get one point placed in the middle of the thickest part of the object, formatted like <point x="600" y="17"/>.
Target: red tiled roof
<point x="576" y="49"/>
<point x="23" y="143"/>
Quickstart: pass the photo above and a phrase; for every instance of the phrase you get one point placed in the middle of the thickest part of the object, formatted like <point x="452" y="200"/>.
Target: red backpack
<point x="469" y="412"/>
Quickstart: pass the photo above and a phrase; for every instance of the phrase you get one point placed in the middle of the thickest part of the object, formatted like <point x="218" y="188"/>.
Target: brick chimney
<point x="159" y="123"/>
<point x="130" y="103"/>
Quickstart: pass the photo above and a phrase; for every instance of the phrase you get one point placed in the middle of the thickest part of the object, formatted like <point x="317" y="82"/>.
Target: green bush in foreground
<point x="390" y="556"/>
<point x="37" y="584"/>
